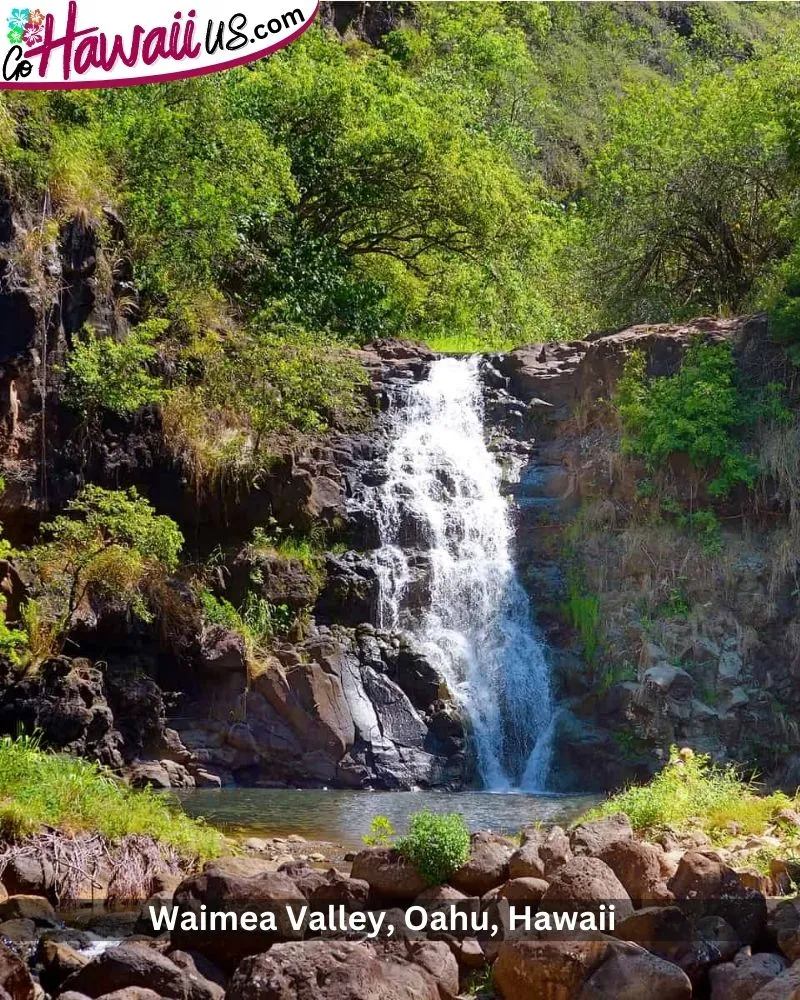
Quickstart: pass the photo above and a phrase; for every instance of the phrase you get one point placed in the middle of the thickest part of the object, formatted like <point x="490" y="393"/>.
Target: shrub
<point x="691" y="791"/>
<point x="257" y="621"/>
<point x="107" y="541"/>
<point x="583" y="613"/>
<point x="12" y="640"/>
<point x="698" y="412"/>
<point x="381" y="832"/>
<point x="436" y="844"/>
<point x="105" y="374"/>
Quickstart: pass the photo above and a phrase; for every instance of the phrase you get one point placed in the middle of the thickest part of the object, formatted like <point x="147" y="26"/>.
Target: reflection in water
<point x="344" y="816"/>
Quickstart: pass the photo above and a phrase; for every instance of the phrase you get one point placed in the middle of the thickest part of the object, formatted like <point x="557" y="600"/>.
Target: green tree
<point x="109" y="542"/>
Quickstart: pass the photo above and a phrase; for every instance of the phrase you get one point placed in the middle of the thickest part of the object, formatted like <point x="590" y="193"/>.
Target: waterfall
<point x="447" y="574"/>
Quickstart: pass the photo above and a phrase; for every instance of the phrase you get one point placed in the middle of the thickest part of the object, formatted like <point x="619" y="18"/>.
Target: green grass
<point x="466" y="343"/>
<point x="691" y="793"/>
<point x="39" y="788"/>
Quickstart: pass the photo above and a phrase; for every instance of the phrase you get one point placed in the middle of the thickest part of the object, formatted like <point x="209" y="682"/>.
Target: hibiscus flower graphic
<point x="35" y="18"/>
<point x="15" y="36"/>
<point x="18" y="19"/>
<point x="33" y="34"/>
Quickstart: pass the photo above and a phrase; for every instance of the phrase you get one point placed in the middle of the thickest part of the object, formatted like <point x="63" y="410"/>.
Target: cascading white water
<point x="447" y="575"/>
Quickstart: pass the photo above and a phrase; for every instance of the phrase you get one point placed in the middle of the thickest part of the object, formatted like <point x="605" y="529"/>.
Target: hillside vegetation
<point x="481" y="176"/>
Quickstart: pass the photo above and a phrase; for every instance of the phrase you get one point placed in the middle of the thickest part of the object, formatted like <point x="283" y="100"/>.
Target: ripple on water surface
<point x="345" y="816"/>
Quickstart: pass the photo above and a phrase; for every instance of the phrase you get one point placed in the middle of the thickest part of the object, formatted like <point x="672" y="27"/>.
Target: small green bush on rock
<point x="436" y="844"/>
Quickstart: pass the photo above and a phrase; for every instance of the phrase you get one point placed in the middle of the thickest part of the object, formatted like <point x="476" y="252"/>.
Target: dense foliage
<point x="479" y="176"/>
<point x="437" y="844"/>
<point x="696" y="412"/>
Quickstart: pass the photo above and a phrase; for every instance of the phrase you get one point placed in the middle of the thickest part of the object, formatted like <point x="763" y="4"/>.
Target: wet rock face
<point x="351" y="708"/>
<point x="67" y="702"/>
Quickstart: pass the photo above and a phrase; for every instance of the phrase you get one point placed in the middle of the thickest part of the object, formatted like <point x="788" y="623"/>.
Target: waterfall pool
<point x="345" y="816"/>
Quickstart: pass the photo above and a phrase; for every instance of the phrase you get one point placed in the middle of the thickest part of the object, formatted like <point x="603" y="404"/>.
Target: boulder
<point x="706" y="885"/>
<point x="35" y="908"/>
<point x="129" y="965"/>
<point x="19" y="931"/>
<point x="594" y="836"/>
<point x="337" y="888"/>
<point x="388" y="874"/>
<point x="132" y="993"/>
<point x="665" y="931"/>
<point x="784" y="922"/>
<point x="218" y="890"/>
<point x="489" y="856"/>
<point x="329" y="970"/>
<point x="306" y="879"/>
<point x="56" y="961"/>
<point x="742" y="979"/>
<point x="222" y="651"/>
<point x="550" y="969"/>
<point x="527" y="862"/>
<point x="14" y="976"/>
<point x="786" y="986"/>
<point x="204" y="981"/>
<point x="634" y="975"/>
<point x="585" y="881"/>
<point x="435" y="957"/>
<point x="523" y="890"/>
<point x="28" y="876"/>
<point x="637" y="864"/>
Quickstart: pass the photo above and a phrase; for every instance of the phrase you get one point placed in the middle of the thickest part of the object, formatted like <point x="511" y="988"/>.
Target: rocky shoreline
<point x="687" y="924"/>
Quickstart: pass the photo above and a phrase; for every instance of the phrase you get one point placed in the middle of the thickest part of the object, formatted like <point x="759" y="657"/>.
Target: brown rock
<point x="541" y="853"/>
<point x="551" y="969"/>
<point x="306" y="879"/>
<point x="220" y="891"/>
<point x="786" y="986"/>
<point x="637" y="865"/>
<point x="14" y="976"/>
<point x="663" y="930"/>
<point x="489" y="856"/>
<point x="338" y="888"/>
<point x="468" y="952"/>
<point x="524" y="890"/>
<point x="329" y="970"/>
<point x="709" y="886"/>
<point x="435" y="957"/>
<point x="594" y="837"/>
<point x="129" y="966"/>
<point x="741" y="980"/>
<point x="28" y="876"/>
<point x="204" y="981"/>
<point x="527" y="862"/>
<point x="132" y="993"/>
<point x="637" y="975"/>
<point x="785" y="924"/>
<point x="388" y="873"/>
<point x="585" y="881"/>
<point x="35" y="908"/>
<point x="19" y="931"/>
<point x="57" y="961"/>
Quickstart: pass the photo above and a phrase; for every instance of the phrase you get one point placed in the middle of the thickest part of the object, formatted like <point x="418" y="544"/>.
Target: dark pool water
<point x="345" y="816"/>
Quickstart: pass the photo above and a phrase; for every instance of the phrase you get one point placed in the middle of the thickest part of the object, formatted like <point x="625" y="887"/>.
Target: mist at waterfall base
<point x="447" y="575"/>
